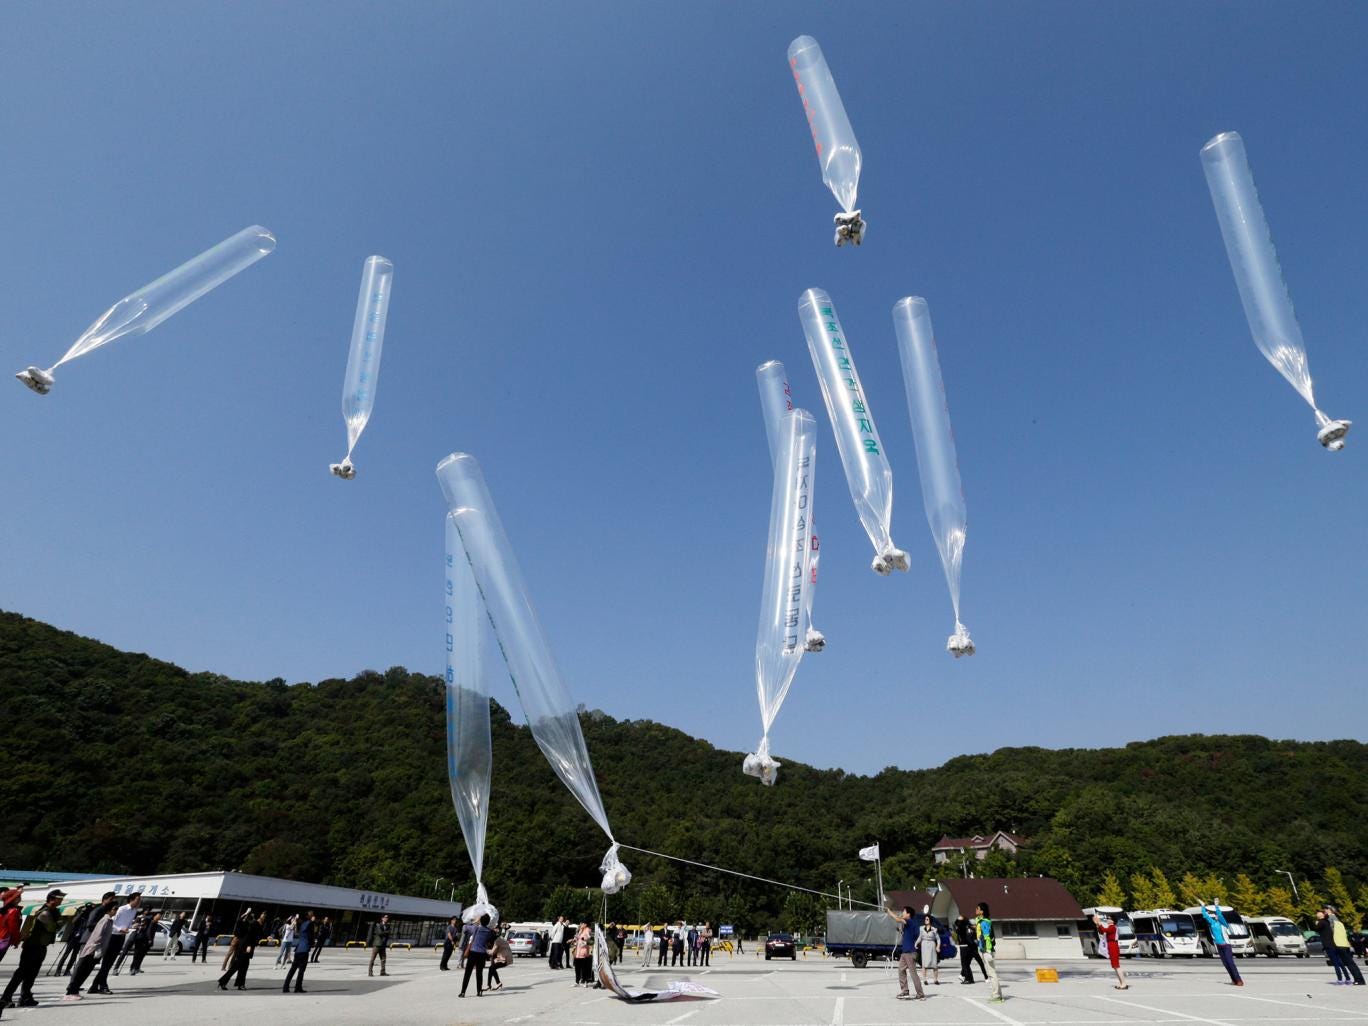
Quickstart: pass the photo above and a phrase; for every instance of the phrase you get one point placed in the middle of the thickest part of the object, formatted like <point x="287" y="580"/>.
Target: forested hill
<point x="117" y="762"/>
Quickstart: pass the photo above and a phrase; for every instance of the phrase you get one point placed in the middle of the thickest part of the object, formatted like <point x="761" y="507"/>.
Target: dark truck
<point x="861" y="935"/>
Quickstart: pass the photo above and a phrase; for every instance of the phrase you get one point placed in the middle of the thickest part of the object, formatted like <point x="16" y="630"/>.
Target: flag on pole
<point x="870" y="854"/>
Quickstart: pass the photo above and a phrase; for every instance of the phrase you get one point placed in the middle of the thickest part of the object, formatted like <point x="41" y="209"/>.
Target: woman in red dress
<point x="1106" y="933"/>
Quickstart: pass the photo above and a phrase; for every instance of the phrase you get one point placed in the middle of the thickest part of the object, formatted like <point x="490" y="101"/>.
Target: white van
<point x="1125" y="931"/>
<point x="1274" y="936"/>
<point x="1241" y="942"/>
<point x="1165" y="932"/>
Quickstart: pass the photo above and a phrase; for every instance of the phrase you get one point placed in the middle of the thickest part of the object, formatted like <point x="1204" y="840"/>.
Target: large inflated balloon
<point x="141" y="311"/>
<point x="937" y="463"/>
<point x="546" y="700"/>
<point x="838" y="153"/>
<point x="857" y="438"/>
<point x="469" y="750"/>
<point x="363" y="358"/>
<point x="779" y="641"/>
<point x="776" y="399"/>
<point x="1267" y="305"/>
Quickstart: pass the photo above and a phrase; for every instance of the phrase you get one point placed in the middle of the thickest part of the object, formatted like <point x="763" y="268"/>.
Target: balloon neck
<point x="37" y="379"/>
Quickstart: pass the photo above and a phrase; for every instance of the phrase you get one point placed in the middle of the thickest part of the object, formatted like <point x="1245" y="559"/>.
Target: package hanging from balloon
<point x="838" y="153"/>
<point x="141" y="311"/>
<point x="937" y="463"/>
<point x="1263" y="292"/>
<point x="482" y="907"/>
<point x="761" y="765"/>
<point x="776" y="400"/>
<point x="857" y="438"/>
<point x="537" y="681"/>
<point x="616" y="876"/>
<point x="363" y="358"/>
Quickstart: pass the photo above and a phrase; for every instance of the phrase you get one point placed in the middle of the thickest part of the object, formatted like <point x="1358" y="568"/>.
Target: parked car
<point x="1313" y="943"/>
<point x="524" y="943"/>
<point x="185" y="944"/>
<point x="780" y="945"/>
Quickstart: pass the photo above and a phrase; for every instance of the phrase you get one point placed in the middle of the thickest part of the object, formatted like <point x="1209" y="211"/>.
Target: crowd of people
<point x="99" y="939"/>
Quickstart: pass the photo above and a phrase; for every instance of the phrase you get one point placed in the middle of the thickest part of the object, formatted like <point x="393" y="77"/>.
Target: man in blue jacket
<point x="1220" y="936"/>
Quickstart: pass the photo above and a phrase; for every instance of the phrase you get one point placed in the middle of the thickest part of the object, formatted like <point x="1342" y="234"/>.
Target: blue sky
<point x="601" y="217"/>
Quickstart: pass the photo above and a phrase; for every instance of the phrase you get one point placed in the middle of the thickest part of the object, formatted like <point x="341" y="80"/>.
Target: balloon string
<point x="747" y="876"/>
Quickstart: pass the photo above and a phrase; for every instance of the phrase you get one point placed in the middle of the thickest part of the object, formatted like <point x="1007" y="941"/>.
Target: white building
<point x="226" y="896"/>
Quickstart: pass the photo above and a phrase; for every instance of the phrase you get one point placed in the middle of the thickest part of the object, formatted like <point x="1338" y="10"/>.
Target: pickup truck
<point x="861" y="936"/>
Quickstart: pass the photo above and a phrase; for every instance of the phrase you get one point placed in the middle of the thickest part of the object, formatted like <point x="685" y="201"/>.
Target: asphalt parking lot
<point x="751" y="992"/>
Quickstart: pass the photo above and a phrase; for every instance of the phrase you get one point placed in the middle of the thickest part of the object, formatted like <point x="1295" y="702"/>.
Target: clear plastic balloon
<point x="545" y="698"/>
<point x="469" y="747"/>
<point x="1263" y="292"/>
<point x="140" y="312"/>
<point x="857" y="439"/>
<point x="363" y="359"/>
<point x="779" y="642"/>
<point x="776" y="399"/>
<point x="937" y="464"/>
<point x="838" y="154"/>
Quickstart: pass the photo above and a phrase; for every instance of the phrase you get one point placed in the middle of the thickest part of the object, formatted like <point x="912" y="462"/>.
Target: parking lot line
<point x="1162" y="1011"/>
<point x="991" y="1011"/>
<point x="838" y="1013"/>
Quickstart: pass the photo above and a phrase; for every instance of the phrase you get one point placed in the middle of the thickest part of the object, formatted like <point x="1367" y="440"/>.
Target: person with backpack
<point x="987" y="945"/>
<point x="92" y="951"/>
<point x="75" y="936"/>
<point x="34" y="938"/>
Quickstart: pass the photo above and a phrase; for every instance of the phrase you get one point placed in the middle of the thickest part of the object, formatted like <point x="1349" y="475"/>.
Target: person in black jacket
<point x="324" y="935"/>
<point x="379" y="941"/>
<point x="76" y="932"/>
<point x="202" y="935"/>
<point x="449" y="939"/>
<point x="247" y="935"/>
<point x="142" y="941"/>
<point x="968" y="948"/>
<point x="304" y="929"/>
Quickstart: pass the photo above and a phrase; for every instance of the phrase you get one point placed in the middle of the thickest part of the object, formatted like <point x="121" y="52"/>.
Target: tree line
<point x="116" y="762"/>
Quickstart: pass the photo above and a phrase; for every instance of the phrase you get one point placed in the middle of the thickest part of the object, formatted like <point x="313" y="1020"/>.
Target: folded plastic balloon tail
<point x="959" y="643"/>
<point x="141" y="311"/>
<point x="616" y="876"/>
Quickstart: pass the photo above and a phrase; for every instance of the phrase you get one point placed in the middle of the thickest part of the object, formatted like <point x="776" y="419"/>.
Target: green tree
<point x="1278" y="901"/>
<point x="1190" y="890"/>
<point x="1143" y="891"/>
<point x="801" y="914"/>
<point x="658" y="904"/>
<point x="1339" y="895"/>
<point x="1312" y="901"/>
<point x="1112" y="893"/>
<point x="1163" y="890"/>
<point x="1246" y="896"/>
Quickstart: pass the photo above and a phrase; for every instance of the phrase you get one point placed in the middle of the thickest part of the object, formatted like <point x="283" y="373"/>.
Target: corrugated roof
<point x="909" y="899"/>
<point x="1030" y="897"/>
<point x="977" y="841"/>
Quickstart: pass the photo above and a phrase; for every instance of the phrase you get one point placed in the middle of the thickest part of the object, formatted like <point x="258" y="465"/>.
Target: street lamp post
<point x="838" y="893"/>
<point x="1295" y="893"/>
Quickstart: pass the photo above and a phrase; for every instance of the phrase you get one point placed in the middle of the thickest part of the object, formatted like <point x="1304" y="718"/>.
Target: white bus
<point x="1125" y="931"/>
<point x="1241" y="940"/>
<point x="1165" y="933"/>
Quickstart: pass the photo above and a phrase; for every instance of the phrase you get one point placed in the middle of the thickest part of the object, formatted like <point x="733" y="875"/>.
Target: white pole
<point x="878" y="864"/>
